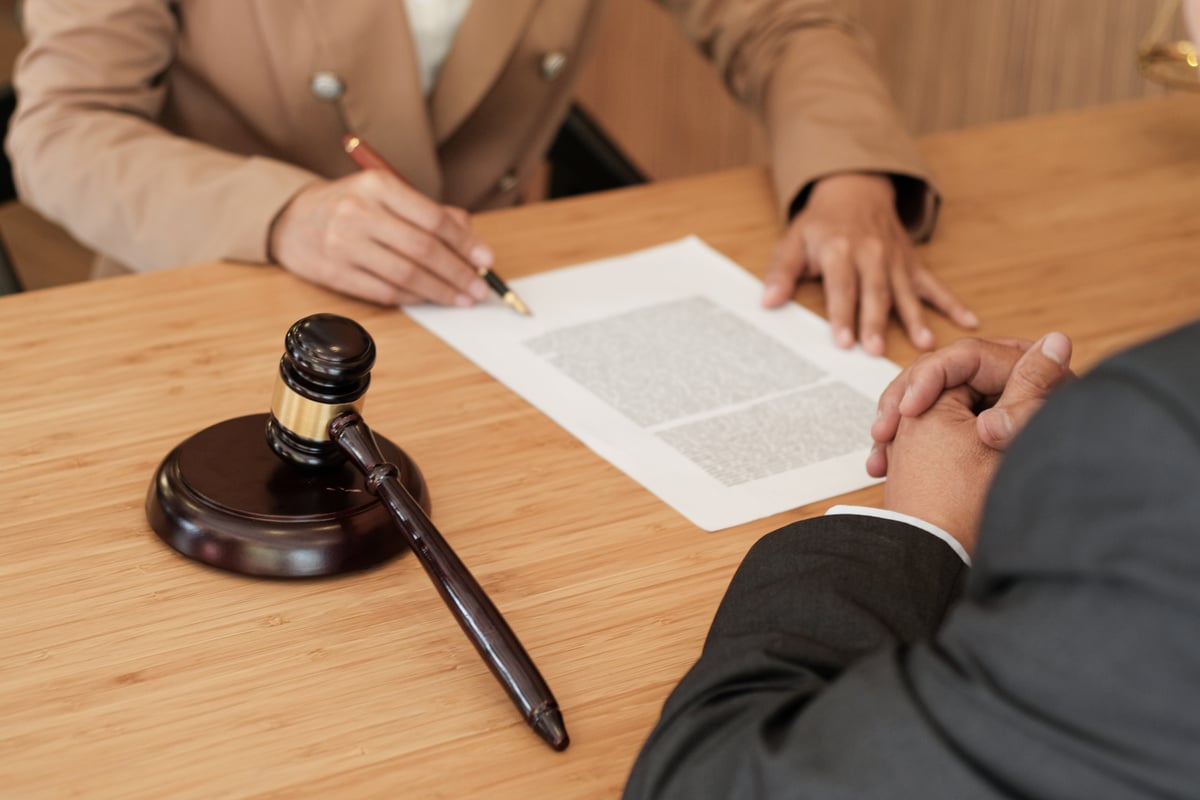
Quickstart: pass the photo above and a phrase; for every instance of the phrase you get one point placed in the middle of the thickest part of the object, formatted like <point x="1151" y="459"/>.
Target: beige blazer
<point x="163" y="133"/>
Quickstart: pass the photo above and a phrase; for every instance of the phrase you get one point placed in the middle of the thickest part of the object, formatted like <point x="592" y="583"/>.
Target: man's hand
<point x="372" y="236"/>
<point x="849" y="235"/>
<point x="1011" y="377"/>
<point x="939" y="471"/>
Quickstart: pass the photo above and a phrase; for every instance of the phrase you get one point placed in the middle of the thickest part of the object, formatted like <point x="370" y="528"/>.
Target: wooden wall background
<point x="949" y="63"/>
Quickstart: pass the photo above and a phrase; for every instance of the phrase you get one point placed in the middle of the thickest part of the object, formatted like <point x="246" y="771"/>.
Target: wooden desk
<point x="128" y="671"/>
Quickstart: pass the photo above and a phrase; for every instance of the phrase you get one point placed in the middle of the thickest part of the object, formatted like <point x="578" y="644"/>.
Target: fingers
<point x="787" y="268"/>
<point x="935" y="293"/>
<point x="367" y="286"/>
<point x="450" y="226"/>
<point x="867" y="273"/>
<point x="437" y="238"/>
<point x="363" y="235"/>
<point x="1019" y="373"/>
<point x="908" y="305"/>
<point x="1042" y="368"/>
<point x="983" y="365"/>
<point x="372" y="236"/>
<point x="875" y="295"/>
<point x="849" y="234"/>
<point x="841" y="290"/>
<point x="409" y="277"/>
<point x="877" y="463"/>
<point x="423" y="264"/>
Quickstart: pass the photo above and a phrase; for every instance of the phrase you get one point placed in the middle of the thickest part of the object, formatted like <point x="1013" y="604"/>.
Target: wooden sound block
<point x="224" y="498"/>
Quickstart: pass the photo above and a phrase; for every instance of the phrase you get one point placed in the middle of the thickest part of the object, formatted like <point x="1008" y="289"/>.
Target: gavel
<point x="316" y="428"/>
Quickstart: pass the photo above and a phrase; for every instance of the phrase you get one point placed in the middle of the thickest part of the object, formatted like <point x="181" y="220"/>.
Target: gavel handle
<point x="475" y="612"/>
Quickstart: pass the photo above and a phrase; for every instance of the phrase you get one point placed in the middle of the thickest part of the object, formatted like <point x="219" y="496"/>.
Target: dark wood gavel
<point x="316" y="422"/>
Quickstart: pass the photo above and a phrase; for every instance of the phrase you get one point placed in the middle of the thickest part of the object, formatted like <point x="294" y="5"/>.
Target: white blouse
<point x="434" y="25"/>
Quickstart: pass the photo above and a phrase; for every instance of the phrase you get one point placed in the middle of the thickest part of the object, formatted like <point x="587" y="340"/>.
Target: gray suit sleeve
<point x="1068" y="669"/>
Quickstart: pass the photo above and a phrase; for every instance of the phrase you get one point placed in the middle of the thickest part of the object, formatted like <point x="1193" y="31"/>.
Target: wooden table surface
<point x="128" y="671"/>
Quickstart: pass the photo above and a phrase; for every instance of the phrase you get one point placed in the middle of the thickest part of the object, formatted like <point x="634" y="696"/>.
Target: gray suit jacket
<point x="1069" y="668"/>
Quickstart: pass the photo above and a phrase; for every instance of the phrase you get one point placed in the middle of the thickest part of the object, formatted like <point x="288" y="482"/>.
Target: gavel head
<point x="324" y="372"/>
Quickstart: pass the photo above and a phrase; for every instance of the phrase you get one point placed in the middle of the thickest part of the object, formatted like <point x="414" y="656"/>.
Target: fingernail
<point x="463" y="301"/>
<point x="970" y="320"/>
<point x="874" y="344"/>
<point x="998" y="423"/>
<point x="1057" y="348"/>
<point x="924" y="338"/>
<point x="844" y="337"/>
<point x="481" y="256"/>
<point x="477" y="289"/>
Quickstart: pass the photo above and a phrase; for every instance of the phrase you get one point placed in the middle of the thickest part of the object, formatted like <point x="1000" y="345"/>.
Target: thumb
<point x="1043" y="367"/>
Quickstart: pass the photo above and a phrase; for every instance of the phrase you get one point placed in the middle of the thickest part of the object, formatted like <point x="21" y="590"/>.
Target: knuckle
<point x="346" y="208"/>
<point x="334" y="240"/>
<point x="371" y="180"/>
<point x="424" y="248"/>
<point x="836" y="246"/>
<point x="1038" y="380"/>
<point x="964" y="347"/>
<point x="814" y="230"/>
<point x="440" y="221"/>
<point x="871" y="249"/>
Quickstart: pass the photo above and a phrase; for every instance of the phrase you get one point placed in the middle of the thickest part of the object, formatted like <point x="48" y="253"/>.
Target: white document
<point x="664" y="362"/>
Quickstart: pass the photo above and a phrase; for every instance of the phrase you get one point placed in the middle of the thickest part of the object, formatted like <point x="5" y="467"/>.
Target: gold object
<point x="304" y="417"/>
<point x="514" y="302"/>
<point x="1172" y="63"/>
<point x="498" y="286"/>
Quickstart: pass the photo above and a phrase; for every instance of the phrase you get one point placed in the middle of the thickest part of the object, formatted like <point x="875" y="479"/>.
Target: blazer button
<point x="507" y="182"/>
<point x="553" y="64"/>
<point x="327" y="86"/>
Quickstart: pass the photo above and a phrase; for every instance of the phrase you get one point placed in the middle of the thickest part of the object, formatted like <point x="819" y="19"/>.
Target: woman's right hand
<point x="372" y="236"/>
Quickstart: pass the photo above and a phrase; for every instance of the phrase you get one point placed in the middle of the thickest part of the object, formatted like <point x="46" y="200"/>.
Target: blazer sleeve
<point x="807" y="69"/>
<point x="88" y="152"/>
<point x="1067" y="670"/>
<point x="807" y="602"/>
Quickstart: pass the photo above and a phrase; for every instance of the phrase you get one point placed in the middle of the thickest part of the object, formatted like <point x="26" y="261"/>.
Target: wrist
<point x="277" y="231"/>
<point x="908" y="519"/>
<point x="856" y="186"/>
<point x="963" y="532"/>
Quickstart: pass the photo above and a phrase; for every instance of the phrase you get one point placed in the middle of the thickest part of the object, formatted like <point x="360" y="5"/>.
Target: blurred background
<point x="949" y="63"/>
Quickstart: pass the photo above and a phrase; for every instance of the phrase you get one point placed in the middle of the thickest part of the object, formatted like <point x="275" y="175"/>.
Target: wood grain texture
<point x="952" y="64"/>
<point x="127" y="671"/>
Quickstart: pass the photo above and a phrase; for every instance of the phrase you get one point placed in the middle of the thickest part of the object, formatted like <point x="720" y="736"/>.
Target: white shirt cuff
<point x="896" y="516"/>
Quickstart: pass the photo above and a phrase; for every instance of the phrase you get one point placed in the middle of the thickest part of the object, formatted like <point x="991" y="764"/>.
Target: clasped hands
<point x="944" y="422"/>
<point x="372" y="236"/>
